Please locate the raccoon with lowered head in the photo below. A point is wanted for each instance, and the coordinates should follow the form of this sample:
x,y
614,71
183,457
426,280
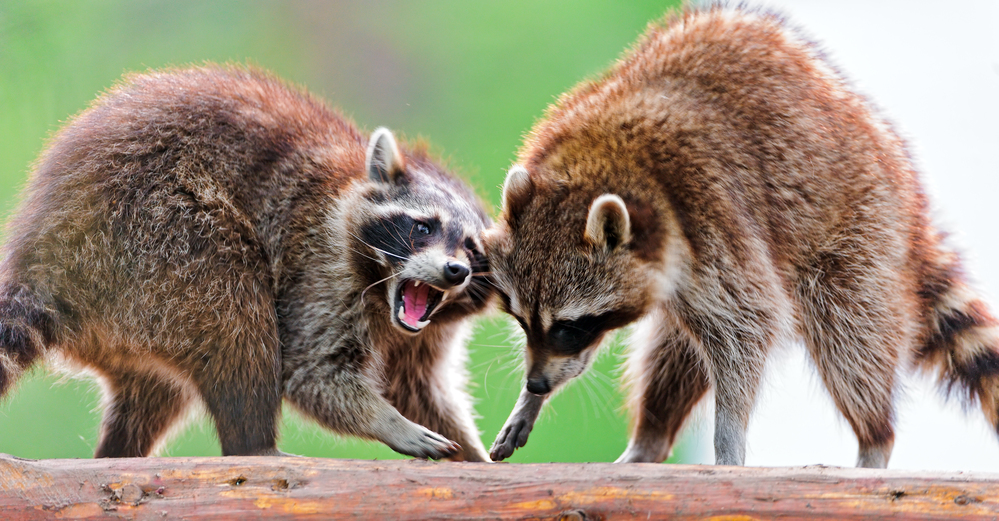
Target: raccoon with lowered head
x,y
212,235
723,186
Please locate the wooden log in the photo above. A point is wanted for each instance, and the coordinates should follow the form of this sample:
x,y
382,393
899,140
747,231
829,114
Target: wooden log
x,y
309,488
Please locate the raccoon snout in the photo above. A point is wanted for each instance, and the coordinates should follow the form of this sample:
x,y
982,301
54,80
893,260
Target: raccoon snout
x,y
456,273
538,385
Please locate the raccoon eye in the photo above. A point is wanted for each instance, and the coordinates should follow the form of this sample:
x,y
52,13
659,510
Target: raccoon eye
x,y
570,338
422,228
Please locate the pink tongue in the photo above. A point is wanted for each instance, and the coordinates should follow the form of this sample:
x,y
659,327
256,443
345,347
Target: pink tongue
x,y
414,302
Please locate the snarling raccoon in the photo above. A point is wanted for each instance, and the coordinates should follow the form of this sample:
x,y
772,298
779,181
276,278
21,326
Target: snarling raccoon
x,y
723,186
211,234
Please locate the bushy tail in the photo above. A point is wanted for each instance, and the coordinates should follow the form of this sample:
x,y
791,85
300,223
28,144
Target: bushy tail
x,y
25,329
962,336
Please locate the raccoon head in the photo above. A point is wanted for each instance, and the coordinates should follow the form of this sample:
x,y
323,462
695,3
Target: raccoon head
x,y
424,228
569,267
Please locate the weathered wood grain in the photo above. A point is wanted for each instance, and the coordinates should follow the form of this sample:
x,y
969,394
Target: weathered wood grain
x,y
308,488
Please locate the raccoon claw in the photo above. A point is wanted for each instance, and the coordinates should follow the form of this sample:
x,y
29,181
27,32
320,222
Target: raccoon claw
x,y
436,447
424,443
512,437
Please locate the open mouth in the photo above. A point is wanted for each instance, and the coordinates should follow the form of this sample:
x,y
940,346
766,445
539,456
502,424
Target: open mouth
x,y
414,303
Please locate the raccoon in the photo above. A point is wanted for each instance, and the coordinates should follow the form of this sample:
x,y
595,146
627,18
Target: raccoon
x,y
723,187
213,235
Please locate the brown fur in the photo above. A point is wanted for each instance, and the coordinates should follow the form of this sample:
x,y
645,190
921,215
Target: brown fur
x,y
766,201
193,235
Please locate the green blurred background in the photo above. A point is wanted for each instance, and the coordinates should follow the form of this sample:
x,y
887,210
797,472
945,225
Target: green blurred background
x,y
470,76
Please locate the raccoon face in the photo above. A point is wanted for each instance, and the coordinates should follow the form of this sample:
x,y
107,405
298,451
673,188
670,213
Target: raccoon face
x,y
425,228
567,272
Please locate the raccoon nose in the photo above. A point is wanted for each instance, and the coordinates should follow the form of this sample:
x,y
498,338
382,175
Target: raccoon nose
x,y
538,385
455,273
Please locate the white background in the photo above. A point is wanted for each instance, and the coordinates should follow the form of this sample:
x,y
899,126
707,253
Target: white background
x,y
932,68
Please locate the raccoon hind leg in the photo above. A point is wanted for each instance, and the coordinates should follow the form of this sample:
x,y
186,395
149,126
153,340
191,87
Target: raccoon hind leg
x,y
854,332
141,407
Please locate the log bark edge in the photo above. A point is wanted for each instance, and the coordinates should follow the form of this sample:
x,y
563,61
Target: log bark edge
x,y
312,488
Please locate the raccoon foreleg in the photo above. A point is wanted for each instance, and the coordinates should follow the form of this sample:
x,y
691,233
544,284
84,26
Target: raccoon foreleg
x,y
245,413
390,427
667,378
518,426
455,422
443,407
140,409
333,387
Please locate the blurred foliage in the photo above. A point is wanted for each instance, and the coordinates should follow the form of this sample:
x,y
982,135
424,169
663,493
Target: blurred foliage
x,y
470,76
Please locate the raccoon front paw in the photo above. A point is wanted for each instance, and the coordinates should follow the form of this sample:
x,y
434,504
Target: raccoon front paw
x,y
425,443
511,437
411,439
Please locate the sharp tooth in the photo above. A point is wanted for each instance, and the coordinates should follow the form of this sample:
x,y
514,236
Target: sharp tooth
x,y
422,324
402,313
416,284
445,295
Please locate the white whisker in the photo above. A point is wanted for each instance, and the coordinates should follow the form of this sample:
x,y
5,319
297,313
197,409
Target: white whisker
x,y
376,248
373,284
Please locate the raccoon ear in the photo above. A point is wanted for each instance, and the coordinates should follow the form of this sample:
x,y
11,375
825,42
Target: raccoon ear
x,y
383,160
608,224
518,189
